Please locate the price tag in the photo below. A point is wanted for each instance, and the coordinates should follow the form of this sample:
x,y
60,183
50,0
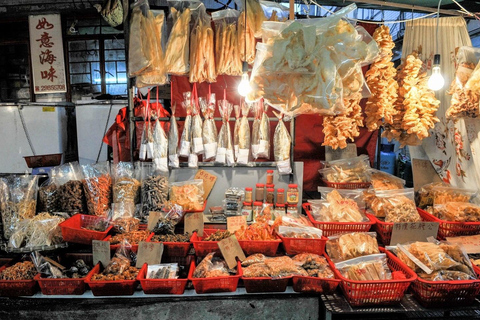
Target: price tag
x,y
101,252
349,152
209,180
231,250
242,157
220,157
210,150
194,221
174,162
149,253
193,160
470,243
153,218
423,173
184,149
413,231
236,222
197,145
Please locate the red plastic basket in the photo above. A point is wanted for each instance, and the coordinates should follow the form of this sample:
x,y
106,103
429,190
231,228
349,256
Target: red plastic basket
x,y
382,228
160,286
110,288
315,284
72,229
299,245
114,247
333,228
265,284
173,249
379,292
451,228
347,185
202,248
16,288
268,248
215,284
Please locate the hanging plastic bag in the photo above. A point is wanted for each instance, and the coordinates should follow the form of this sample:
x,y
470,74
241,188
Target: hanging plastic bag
x,y
261,133
20,200
275,11
197,124
139,52
227,55
48,197
243,154
122,217
246,40
236,110
71,195
186,139
282,143
209,132
98,188
202,59
154,192
160,148
173,161
126,187
225,146
255,15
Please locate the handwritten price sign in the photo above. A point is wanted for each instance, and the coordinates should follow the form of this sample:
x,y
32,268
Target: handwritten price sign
x,y
236,222
231,249
149,253
101,252
413,231
208,181
194,221
470,243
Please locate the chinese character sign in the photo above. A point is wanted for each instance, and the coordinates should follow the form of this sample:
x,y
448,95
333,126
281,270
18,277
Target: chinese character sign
x,y
46,48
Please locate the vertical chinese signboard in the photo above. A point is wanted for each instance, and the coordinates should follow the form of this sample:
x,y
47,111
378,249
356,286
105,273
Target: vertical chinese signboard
x,y
46,49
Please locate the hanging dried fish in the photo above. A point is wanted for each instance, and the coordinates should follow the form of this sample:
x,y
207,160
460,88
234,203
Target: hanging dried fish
x,y
209,133
173,141
185,140
160,148
225,146
176,55
197,134
244,136
261,134
282,143
236,109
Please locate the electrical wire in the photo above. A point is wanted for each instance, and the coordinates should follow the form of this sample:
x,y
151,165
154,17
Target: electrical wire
x,y
438,23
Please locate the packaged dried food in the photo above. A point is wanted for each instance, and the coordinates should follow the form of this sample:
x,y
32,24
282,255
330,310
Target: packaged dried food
x,y
384,181
346,170
275,267
225,146
274,11
154,191
315,265
20,271
395,205
255,15
122,217
126,187
352,245
132,237
246,39
227,55
236,111
71,195
261,133
120,266
162,271
300,232
186,138
367,268
188,194
160,148
253,259
209,130
298,221
218,235
445,194
457,211
197,125
139,58
282,143
211,266
171,238
424,195
202,59
77,269
19,200
260,229
173,161
243,136
48,197
39,230
339,208
97,183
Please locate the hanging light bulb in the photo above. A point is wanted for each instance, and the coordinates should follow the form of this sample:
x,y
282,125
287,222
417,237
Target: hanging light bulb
x,y
244,86
436,81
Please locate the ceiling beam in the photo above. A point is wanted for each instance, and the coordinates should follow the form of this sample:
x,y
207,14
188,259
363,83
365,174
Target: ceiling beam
x,y
409,7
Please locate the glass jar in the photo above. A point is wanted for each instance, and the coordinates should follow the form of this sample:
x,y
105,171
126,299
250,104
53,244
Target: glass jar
x,y
247,210
269,176
270,196
259,192
292,194
281,196
292,211
257,209
279,210
248,194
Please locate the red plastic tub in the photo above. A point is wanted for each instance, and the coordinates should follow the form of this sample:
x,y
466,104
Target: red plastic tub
x,y
265,284
110,288
173,249
333,228
160,286
347,185
451,228
299,245
268,247
215,284
314,284
378,292
202,248
16,288
72,230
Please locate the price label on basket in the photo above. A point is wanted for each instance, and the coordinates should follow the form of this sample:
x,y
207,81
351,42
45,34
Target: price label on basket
x,y
471,244
149,253
194,222
413,231
349,152
153,218
236,222
231,250
101,252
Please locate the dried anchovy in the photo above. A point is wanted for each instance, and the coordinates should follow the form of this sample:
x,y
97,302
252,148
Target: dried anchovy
x,y
20,271
154,193
71,197
48,198
171,238
218,235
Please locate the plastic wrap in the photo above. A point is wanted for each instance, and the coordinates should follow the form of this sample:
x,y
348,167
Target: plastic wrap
x,y
424,196
48,197
119,267
197,129
98,188
367,268
186,138
211,266
300,221
445,194
261,133
243,155
173,160
188,194
71,195
202,59
315,265
300,232
39,230
225,146
209,130
246,47
160,148
384,181
464,103
352,245
396,205
274,267
282,143
347,170
19,201
339,207
274,11
255,15
163,271
457,212
126,187
154,192
227,55
122,217
139,57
